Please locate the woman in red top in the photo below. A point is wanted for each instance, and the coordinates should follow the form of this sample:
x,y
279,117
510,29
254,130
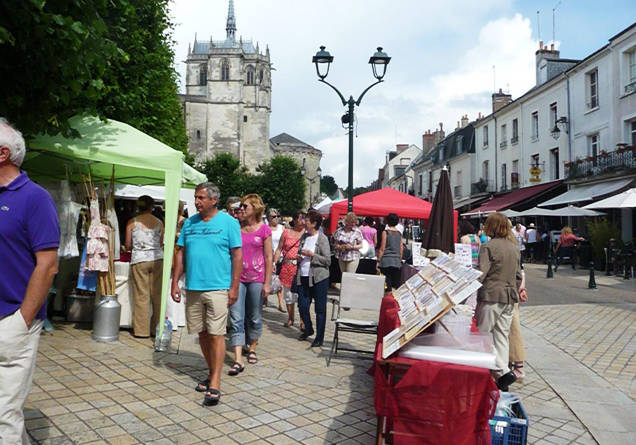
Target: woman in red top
x,y
565,246
288,250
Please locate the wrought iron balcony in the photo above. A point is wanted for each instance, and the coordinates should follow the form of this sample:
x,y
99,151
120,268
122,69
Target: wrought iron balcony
x,y
622,159
482,186
630,88
514,140
503,144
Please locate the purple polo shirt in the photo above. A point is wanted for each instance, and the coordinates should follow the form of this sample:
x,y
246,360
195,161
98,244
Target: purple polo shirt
x,y
28,223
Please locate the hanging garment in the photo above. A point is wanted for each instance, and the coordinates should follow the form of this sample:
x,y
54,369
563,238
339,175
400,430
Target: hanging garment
x,y
97,245
114,226
68,214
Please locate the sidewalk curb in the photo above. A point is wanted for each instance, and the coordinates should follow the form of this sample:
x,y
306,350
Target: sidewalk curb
x,y
605,411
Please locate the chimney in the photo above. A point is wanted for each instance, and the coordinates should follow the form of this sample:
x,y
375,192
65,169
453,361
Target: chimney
x,y
401,147
428,141
500,100
464,120
543,57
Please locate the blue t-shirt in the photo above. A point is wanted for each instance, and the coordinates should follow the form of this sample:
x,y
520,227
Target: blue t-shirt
x,y
208,259
28,224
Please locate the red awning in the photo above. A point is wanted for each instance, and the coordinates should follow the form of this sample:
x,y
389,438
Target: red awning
x,y
508,200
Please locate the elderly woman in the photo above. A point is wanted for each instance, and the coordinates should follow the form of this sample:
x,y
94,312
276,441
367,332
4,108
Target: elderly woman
x,y
144,238
245,313
287,252
312,277
273,219
502,288
348,241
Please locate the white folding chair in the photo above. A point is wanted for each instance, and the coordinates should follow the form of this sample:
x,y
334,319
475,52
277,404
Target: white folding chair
x,y
358,292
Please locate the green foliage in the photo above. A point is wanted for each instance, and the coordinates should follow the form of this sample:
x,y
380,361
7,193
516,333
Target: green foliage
x,y
278,181
280,184
360,190
328,185
226,172
107,57
141,85
54,56
600,231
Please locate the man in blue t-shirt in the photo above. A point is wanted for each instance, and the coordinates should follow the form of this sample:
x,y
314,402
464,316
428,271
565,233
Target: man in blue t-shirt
x,y
29,238
210,241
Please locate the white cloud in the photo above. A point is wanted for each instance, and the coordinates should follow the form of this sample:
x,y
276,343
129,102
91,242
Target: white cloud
x,y
442,52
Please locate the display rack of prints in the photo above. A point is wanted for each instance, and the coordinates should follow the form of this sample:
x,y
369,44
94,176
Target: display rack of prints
x,y
427,296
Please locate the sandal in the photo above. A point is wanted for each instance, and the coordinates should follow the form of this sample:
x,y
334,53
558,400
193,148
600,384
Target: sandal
x,y
289,323
202,386
517,368
212,397
236,369
251,358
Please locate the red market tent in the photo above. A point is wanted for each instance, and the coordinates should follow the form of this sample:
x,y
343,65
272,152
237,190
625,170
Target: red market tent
x,y
381,203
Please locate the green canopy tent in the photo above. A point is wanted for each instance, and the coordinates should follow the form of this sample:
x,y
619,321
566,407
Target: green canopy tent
x,y
135,158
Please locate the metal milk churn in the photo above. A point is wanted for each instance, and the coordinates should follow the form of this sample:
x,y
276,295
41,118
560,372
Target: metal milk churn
x,y
106,319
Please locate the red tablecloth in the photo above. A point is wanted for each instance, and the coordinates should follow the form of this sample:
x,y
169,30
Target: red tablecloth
x,y
433,402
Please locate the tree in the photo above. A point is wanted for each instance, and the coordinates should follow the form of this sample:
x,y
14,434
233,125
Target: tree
x,y
107,57
226,172
54,55
280,184
142,87
360,190
328,185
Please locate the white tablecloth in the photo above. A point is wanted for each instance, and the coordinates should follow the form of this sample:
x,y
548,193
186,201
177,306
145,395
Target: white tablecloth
x,y
123,288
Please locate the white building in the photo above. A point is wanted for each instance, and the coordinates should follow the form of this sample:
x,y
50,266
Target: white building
x,y
395,166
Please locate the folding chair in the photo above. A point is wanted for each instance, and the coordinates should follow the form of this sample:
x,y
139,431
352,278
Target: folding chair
x,y
362,292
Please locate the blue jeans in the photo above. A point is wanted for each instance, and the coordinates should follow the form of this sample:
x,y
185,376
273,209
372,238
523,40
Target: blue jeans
x,y
319,293
245,314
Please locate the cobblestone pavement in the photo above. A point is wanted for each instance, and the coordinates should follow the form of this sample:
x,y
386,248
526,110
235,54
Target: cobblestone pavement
x,y
124,393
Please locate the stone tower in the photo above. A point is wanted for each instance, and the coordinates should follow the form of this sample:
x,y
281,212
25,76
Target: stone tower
x,y
228,97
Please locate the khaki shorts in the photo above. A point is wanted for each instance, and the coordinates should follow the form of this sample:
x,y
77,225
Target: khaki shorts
x,y
206,311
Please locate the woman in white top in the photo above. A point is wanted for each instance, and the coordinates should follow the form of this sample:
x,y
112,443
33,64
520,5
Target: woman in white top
x,y
273,218
144,237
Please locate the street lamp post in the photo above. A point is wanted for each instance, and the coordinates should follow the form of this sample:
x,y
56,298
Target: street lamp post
x,y
311,181
379,61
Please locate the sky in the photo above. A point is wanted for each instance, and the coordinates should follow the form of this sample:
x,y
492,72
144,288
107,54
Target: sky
x,y
443,54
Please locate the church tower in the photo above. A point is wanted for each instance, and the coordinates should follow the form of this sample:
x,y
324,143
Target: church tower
x,y
228,97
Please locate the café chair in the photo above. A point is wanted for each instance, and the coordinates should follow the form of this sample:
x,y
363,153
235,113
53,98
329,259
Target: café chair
x,y
358,292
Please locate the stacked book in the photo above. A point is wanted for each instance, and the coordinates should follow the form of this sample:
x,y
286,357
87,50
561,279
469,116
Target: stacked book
x,y
427,296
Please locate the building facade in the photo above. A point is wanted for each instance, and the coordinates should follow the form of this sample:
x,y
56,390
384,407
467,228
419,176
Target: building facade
x,y
227,103
395,165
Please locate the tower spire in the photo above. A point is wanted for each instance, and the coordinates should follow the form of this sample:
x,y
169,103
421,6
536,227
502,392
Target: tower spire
x,y
231,22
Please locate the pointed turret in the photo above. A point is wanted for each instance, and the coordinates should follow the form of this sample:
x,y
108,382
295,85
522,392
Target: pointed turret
x,y
231,22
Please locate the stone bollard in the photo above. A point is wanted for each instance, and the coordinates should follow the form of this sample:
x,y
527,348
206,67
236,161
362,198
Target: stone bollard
x,y
549,274
591,284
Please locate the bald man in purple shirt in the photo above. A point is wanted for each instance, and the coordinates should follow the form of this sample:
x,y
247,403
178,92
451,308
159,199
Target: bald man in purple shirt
x,y
29,238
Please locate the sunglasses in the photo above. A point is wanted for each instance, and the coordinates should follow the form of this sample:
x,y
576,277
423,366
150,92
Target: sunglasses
x,y
243,206
274,216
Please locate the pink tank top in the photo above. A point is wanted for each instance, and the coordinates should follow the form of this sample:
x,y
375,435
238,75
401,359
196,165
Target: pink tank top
x,y
254,254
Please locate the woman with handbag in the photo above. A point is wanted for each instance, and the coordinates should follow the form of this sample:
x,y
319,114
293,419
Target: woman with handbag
x,y
312,277
287,251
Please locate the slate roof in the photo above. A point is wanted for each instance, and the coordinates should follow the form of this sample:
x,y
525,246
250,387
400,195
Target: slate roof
x,y
285,138
204,47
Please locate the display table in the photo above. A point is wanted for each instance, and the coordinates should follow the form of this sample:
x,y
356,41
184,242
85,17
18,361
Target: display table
x,y
123,288
426,402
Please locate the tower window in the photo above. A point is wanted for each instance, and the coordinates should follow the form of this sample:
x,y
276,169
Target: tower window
x,y
244,118
203,74
260,76
198,134
225,70
250,75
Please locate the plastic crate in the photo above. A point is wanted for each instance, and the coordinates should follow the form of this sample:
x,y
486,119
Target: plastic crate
x,y
510,430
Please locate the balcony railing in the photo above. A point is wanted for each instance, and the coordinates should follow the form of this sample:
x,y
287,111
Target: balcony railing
x,y
482,186
503,144
622,159
630,88
457,191
514,140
